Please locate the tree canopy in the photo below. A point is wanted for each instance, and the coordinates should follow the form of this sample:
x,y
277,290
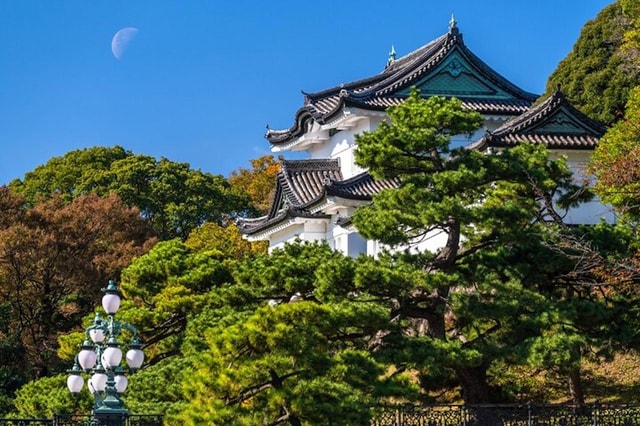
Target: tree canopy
x,y
616,161
258,182
54,258
171,196
599,72
276,352
477,296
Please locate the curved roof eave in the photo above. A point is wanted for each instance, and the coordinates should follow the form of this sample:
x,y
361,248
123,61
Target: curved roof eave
x,y
277,223
302,115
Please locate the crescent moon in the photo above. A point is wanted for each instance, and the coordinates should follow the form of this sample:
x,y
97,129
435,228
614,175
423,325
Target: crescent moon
x,y
121,40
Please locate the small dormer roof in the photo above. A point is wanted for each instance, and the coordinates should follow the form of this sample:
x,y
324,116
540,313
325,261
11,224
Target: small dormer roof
x,y
554,122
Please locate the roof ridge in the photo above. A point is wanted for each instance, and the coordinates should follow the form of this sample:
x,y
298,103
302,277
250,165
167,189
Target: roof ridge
x,y
310,164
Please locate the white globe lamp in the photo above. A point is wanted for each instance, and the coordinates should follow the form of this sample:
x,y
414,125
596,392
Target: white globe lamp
x,y
111,298
87,356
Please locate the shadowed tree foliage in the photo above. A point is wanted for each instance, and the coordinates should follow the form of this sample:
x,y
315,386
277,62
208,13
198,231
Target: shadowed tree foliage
x,y
172,282
172,197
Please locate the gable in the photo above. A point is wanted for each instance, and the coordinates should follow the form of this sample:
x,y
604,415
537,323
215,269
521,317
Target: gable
x,y
456,76
562,122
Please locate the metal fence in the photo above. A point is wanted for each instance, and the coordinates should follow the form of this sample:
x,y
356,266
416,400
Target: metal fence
x,y
426,415
512,415
88,420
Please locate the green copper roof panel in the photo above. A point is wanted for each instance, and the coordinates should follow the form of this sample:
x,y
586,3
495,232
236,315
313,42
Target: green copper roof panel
x,y
456,76
563,123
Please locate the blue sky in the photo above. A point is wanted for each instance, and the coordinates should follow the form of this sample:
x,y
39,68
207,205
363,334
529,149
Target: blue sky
x,y
202,78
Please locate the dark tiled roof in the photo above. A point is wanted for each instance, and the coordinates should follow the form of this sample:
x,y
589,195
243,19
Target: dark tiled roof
x,y
302,184
303,181
299,184
360,187
553,122
434,68
483,106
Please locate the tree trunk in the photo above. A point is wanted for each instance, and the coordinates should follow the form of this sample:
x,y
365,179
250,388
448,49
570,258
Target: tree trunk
x,y
575,386
294,421
475,389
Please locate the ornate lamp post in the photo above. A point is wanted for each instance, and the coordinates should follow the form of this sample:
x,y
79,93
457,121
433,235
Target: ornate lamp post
x,y
100,355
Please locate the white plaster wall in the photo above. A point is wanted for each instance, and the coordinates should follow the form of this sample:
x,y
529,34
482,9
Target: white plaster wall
x,y
458,141
594,211
432,242
289,234
337,236
346,241
342,145
490,124
314,231
590,213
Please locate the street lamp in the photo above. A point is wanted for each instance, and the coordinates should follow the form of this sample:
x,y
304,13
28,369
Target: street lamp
x,y
101,356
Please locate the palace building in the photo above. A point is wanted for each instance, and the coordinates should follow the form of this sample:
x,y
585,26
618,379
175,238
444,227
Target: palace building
x,y
315,197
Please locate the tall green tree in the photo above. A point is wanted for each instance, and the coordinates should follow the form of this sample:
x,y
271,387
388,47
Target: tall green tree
x,y
171,196
466,302
171,283
274,348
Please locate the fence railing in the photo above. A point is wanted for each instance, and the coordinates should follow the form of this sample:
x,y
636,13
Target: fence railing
x,y
511,415
424,415
88,420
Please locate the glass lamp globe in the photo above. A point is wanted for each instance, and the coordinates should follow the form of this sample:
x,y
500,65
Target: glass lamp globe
x,y
98,381
75,383
112,356
135,356
75,380
97,335
111,303
87,356
121,382
111,298
96,331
